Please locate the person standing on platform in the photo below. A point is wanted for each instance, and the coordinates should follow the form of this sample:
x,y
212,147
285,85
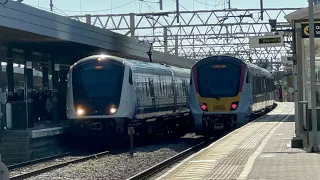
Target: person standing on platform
x,y
280,94
49,106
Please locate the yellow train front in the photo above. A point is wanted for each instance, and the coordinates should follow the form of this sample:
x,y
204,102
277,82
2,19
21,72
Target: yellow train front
x,y
225,92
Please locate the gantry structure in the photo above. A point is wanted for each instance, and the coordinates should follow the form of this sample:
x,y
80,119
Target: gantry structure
x,y
201,33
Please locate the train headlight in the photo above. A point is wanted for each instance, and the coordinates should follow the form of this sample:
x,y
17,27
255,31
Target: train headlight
x,y
80,111
113,110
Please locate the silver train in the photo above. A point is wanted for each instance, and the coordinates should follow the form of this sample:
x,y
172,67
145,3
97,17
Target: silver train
x,y
107,94
226,92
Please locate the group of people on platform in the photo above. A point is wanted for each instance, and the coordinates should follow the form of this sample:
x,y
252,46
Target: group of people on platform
x,y
42,103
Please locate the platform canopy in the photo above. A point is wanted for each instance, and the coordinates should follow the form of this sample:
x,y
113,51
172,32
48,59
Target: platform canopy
x,y
302,14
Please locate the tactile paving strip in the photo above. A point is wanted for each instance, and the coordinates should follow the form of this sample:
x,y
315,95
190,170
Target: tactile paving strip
x,y
226,158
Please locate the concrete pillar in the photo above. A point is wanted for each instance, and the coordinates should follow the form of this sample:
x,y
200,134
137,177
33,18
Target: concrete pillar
x,y
28,86
55,68
9,69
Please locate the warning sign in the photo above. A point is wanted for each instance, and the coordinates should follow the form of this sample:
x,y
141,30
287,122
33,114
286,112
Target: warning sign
x,y
305,29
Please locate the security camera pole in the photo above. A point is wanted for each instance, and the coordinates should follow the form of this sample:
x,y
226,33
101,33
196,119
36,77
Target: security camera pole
x,y
314,147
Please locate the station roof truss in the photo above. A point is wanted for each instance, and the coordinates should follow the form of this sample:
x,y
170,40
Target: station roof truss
x,y
201,33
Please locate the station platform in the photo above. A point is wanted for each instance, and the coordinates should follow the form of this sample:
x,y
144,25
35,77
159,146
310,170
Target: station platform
x,y
258,150
45,139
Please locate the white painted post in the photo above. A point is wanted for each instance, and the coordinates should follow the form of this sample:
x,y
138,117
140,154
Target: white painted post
x,y
314,147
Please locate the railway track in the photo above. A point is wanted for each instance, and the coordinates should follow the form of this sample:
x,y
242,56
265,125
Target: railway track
x,y
52,167
164,164
33,162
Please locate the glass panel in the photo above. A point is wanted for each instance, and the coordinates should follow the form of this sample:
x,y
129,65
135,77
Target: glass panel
x,y
308,71
215,80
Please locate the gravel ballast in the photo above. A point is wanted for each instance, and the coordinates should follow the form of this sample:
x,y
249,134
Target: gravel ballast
x,y
120,165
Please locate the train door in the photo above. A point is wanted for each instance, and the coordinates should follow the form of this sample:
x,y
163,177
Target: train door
x,y
250,89
140,94
185,92
259,92
264,92
174,93
160,92
253,86
152,95
179,93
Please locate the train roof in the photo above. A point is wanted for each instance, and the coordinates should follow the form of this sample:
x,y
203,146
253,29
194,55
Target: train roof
x,y
258,71
137,64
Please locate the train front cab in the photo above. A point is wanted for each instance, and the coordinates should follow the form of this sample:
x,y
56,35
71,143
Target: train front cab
x,y
219,94
99,106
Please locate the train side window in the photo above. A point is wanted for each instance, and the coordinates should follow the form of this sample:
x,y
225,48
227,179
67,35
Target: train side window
x,y
130,77
258,85
190,80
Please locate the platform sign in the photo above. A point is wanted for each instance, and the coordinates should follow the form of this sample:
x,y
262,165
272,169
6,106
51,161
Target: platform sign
x,y
265,41
305,29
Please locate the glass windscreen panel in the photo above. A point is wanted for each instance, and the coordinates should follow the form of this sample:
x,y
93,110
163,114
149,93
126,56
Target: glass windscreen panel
x,y
217,80
97,86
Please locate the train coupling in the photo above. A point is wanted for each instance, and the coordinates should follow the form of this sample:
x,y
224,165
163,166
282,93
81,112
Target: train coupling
x,y
95,126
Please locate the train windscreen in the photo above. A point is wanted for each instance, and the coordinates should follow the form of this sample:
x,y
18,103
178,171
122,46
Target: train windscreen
x,y
218,80
97,86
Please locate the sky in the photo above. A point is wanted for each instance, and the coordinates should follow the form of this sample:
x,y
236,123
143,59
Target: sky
x,y
99,7
81,7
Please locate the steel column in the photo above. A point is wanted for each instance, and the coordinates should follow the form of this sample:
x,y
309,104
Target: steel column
x,y
55,68
132,25
300,83
28,86
45,72
176,45
314,147
10,76
165,37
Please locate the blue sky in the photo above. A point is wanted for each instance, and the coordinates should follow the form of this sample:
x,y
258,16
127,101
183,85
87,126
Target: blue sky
x,y
80,7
